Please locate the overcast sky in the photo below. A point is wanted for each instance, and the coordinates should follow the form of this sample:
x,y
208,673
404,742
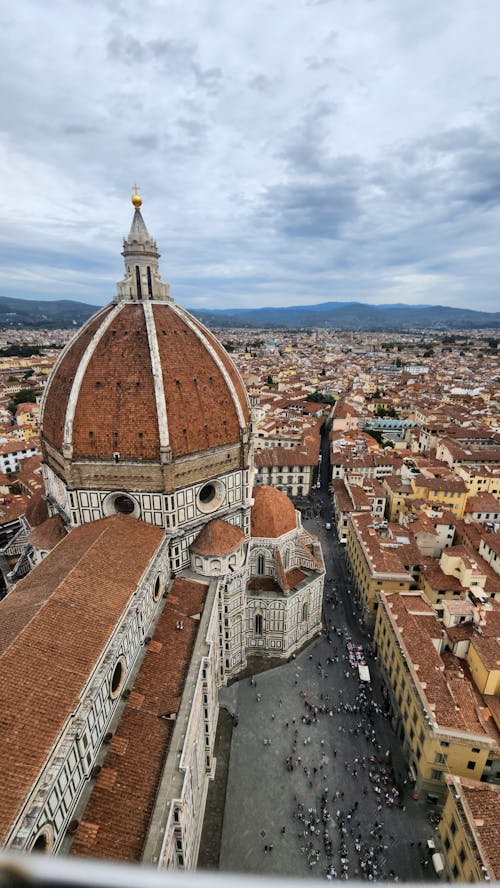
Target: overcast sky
x,y
287,151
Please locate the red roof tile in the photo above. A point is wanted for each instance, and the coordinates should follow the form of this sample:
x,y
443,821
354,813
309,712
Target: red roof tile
x,y
116,820
218,537
53,628
273,513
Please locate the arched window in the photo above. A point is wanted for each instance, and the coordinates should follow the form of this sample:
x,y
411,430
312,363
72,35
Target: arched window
x,y
150,283
258,624
260,564
286,559
304,612
138,282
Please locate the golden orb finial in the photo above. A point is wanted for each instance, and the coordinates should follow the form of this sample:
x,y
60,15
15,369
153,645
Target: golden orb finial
x,y
136,197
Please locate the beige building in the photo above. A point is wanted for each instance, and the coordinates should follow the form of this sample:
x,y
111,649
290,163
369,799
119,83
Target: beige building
x,y
381,557
468,831
444,722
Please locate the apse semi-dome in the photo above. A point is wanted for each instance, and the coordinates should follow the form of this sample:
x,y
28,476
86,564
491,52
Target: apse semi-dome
x,y
144,381
273,513
218,537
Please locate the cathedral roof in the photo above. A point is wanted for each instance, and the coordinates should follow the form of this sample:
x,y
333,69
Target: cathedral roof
x,y
273,513
139,377
52,617
218,537
143,378
37,511
143,736
47,534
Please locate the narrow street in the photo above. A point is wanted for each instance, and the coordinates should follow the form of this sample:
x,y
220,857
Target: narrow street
x,y
317,784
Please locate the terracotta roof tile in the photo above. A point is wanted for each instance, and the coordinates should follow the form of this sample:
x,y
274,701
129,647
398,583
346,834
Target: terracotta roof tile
x,y
48,534
37,511
273,513
201,412
53,630
218,537
483,803
116,820
60,383
119,379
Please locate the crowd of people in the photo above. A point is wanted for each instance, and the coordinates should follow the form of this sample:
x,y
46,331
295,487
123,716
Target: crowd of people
x,y
342,833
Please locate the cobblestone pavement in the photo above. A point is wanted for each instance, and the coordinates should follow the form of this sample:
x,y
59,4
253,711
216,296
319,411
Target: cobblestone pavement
x,y
323,791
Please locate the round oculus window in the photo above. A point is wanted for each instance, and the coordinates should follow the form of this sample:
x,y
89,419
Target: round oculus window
x,y
207,494
158,588
124,504
117,679
43,840
210,496
121,503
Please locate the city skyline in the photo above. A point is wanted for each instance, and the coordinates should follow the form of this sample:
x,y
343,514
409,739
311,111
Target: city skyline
x,y
325,154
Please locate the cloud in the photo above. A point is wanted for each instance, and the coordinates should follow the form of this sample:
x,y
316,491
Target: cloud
x,y
285,152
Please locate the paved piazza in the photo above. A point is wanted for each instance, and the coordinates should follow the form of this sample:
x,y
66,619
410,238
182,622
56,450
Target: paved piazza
x,y
317,784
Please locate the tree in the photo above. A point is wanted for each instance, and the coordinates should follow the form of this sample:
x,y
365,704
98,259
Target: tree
x,y
22,396
320,398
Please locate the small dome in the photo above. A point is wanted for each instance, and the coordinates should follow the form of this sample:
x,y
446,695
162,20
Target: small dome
x,y
273,513
218,537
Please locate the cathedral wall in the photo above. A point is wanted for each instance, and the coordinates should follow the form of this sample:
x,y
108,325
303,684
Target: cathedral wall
x,y
176,823
60,786
232,634
279,626
162,476
172,511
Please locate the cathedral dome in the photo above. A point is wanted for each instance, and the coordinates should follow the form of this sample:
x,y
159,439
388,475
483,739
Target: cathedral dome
x,y
273,513
218,537
143,380
140,376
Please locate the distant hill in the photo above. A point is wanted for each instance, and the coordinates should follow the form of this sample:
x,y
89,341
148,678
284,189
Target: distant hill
x,y
354,316
40,313
340,315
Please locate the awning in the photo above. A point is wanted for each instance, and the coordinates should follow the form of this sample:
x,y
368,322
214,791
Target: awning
x,y
364,673
437,860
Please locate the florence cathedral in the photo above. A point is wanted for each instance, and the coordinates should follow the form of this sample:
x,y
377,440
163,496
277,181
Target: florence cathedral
x,y
157,570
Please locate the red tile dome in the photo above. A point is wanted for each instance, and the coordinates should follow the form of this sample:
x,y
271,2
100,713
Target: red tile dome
x,y
273,513
139,378
218,537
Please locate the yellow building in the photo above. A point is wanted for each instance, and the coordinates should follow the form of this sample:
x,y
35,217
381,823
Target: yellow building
x,y
468,831
381,556
465,566
27,416
483,658
397,490
438,586
449,492
481,479
440,716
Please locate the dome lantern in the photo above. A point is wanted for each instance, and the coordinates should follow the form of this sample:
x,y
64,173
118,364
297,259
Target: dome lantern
x,y
142,281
